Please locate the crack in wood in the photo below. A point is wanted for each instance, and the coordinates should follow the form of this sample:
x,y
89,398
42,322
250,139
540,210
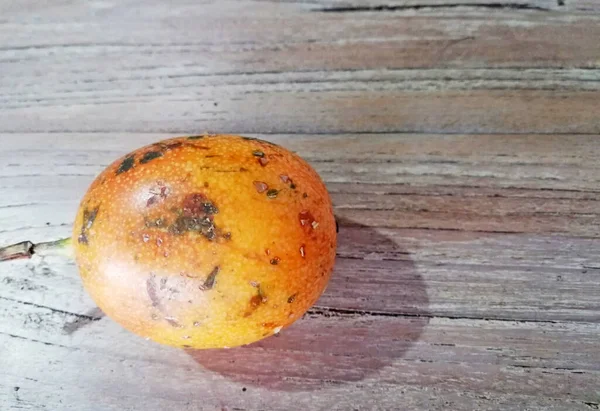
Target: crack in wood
x,y
333,312
386,7
55,310
20,337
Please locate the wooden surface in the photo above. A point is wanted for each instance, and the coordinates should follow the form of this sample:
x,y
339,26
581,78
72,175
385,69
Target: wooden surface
x,y
459,141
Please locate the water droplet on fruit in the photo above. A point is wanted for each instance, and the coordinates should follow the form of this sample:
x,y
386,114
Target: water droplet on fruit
x,y
302,251
276,330
146,238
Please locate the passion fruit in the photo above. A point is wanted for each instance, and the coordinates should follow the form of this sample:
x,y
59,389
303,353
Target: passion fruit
x,y
207,241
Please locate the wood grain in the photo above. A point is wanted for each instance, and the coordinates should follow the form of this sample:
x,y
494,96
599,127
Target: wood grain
x,y
440,304
458,140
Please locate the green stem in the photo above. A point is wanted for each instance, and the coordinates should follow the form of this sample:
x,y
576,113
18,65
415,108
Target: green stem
x,y
27,249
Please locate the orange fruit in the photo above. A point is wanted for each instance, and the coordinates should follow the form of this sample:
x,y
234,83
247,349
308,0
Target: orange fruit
x,y
206,241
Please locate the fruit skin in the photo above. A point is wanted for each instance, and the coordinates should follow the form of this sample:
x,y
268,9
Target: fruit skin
x,y
206,241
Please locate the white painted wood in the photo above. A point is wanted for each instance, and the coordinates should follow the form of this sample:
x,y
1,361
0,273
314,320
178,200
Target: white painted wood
x,y
459,142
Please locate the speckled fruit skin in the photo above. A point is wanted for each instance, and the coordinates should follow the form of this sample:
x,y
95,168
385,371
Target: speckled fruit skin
x,y
206,241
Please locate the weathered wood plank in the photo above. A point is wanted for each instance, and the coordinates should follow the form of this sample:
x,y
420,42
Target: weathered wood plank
x,y
520,360
467,274
310,111
166,40
529,183
410,272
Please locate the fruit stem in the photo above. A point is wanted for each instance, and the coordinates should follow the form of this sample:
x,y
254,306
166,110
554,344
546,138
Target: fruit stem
x,y
26,249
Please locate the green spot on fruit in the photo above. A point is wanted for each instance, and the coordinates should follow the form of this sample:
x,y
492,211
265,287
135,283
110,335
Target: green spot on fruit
x,y
126,164
272,193
149,156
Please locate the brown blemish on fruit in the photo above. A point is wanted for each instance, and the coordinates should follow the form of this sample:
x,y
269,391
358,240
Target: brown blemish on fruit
x,y
158,223
263,161
88,220
173,322
151,290
196,215
260,186
270,325
304,195
306,219
149,156
287,180
171,146
272,193
275,260
209,283
159,192
256,300
196,203
291,298
126,165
